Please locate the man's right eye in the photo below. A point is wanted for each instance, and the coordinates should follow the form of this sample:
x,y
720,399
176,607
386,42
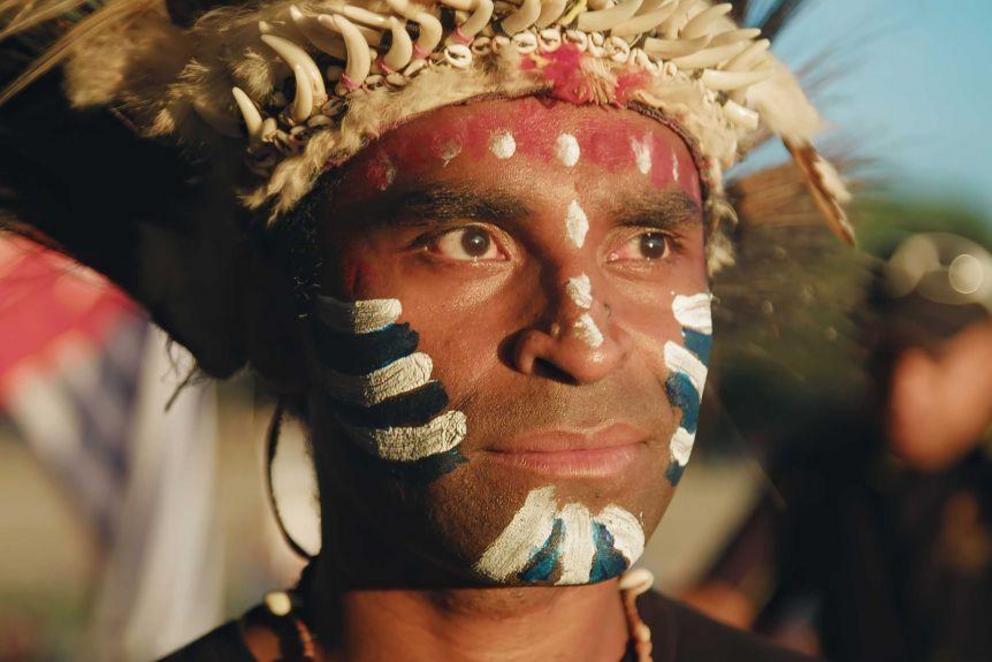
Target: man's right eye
x,y
471,243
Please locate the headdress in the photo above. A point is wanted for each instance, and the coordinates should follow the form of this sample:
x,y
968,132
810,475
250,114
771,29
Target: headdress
x,y
272,94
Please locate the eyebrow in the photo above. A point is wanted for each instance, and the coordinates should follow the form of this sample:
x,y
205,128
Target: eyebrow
x,y
441,203
665,210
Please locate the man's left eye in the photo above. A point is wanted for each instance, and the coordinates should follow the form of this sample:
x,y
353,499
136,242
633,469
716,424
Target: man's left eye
x,y
468,244
645,246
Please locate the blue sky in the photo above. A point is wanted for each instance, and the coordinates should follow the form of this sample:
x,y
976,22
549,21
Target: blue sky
x,y
915,89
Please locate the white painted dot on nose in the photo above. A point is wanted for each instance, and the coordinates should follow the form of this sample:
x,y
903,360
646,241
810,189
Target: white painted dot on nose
x,y
567,150
587,331
642,154
579,289
576,224
503,145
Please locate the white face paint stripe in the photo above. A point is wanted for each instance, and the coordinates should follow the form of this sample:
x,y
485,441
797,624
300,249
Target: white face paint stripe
x,y
675,165
359,317
567,150
694,312
510,553
576,224
587,331
628,536
642,154
681,446
679,359
531,526
403,375
579,290
503,145
408,444
578,547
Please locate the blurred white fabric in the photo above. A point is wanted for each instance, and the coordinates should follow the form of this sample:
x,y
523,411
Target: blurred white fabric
x,y
163,583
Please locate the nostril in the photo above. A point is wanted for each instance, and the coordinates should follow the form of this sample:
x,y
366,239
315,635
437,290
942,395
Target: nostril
x,y
548,370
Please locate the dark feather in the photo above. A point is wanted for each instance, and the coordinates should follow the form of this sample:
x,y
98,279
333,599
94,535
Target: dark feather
x,y
769,15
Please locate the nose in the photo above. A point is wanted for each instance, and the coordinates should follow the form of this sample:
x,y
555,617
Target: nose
x,y
577,339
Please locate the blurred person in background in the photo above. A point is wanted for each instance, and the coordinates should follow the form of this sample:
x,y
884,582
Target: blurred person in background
x,y
876,543
499,363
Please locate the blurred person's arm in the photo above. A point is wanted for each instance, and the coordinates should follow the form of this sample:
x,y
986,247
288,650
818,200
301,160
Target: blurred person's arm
x,y
941,405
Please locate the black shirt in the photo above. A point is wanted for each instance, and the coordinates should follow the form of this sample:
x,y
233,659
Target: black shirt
x,y
678,633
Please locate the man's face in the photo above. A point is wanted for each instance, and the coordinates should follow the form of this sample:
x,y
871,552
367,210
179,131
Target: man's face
x,y
543,253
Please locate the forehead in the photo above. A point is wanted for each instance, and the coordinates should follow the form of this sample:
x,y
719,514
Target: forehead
x,y
487,139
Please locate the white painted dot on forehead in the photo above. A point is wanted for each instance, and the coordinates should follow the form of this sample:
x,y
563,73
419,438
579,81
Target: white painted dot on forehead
x,y
449,151
387,174
576,224
642,153
579,289
587,331
567,150
503,145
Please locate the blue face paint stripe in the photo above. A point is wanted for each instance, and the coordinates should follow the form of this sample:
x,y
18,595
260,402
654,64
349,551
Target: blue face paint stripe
x,y
418,473
699,344
545,559
683,394
360,354
674,472
410,409
608,562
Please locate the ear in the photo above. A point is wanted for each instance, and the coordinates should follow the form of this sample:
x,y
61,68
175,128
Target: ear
x,y
132,209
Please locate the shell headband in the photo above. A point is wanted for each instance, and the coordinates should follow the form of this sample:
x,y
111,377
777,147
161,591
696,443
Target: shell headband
x,y
311,84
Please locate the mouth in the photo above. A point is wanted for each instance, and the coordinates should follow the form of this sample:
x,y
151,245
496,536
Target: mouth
x,y
603,451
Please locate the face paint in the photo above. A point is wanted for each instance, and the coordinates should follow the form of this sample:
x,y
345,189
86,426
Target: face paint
x,y
407,444
502,145
577,546
642,153
540,541
579,290
379,388
694,312
576,224
449,150
614,143
587,331
406,374
526,534
382,172
687,374
360,317
567,150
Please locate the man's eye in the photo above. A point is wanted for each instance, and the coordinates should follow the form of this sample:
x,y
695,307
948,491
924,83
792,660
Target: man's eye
x,y
645,246
471,243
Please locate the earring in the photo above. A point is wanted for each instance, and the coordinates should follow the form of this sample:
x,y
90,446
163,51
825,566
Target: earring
x,y
271,446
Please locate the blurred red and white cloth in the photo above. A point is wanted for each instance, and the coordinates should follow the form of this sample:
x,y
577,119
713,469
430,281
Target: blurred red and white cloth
x,y
85,378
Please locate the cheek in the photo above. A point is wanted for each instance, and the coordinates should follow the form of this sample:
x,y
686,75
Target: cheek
x,y
378,385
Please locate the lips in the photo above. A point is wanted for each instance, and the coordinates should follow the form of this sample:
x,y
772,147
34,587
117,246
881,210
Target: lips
x,y
602,451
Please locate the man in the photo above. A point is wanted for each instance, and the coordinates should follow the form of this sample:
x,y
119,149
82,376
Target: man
x,y
474,263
